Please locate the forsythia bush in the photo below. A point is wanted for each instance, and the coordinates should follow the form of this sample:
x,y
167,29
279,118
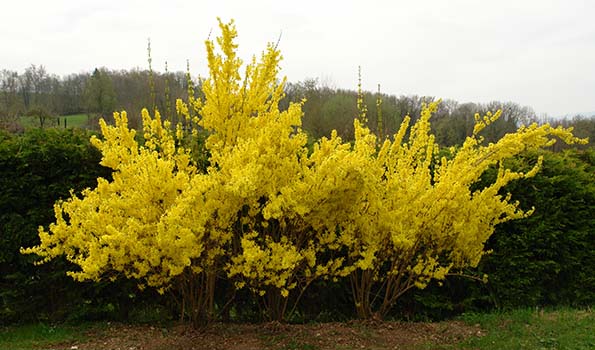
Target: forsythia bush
x,y
420,220
272,216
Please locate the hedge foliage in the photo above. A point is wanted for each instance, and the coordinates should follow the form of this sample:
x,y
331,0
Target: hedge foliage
x,y
545,259
36,169
549,257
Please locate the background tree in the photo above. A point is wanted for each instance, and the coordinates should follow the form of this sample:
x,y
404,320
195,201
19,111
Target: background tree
x,y
582,125
72,93
10,103
43,116
100,97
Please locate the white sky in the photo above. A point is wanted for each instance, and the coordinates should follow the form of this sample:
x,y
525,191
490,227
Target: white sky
x,y
539,53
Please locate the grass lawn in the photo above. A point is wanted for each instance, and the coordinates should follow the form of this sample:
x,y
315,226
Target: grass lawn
x,y
534,329
72,121
521,329
40,336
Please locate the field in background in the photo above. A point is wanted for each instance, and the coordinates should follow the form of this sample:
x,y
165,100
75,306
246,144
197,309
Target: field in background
x,y
72,121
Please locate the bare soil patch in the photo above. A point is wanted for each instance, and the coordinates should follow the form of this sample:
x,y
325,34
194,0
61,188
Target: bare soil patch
x,y
323,336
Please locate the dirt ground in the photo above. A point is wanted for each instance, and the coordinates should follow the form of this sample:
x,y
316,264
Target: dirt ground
x,y
339,336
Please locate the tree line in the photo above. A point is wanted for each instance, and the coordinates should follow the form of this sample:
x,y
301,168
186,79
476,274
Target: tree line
x,y
43,95
328,109
99,93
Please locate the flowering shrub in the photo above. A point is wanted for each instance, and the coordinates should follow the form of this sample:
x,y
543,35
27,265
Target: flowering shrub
x,y
272,216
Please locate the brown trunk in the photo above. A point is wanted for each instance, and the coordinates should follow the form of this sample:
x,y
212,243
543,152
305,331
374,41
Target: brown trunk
x,y
197,297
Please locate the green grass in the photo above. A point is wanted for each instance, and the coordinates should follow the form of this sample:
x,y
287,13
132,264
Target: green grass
x,y
285,342
39,336
72,121
533,329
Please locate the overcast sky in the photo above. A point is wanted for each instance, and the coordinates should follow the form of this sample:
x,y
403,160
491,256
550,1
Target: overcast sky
x,y
539,53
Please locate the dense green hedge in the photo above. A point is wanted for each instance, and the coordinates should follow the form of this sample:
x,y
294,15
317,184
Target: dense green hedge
x,y
36,169
546,259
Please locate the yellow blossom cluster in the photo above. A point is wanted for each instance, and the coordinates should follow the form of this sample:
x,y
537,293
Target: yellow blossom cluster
x,y
271,214
419,218
117,225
